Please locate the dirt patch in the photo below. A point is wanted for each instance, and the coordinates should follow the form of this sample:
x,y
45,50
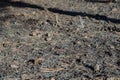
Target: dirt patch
x,y
59,40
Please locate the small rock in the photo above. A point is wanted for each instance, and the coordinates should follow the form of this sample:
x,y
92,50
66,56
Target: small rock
x,y
14,66
25,77
52,78
114,10
39,60
97,67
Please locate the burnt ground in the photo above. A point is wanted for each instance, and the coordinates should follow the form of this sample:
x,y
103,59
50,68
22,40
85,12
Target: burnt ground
x,y
59,40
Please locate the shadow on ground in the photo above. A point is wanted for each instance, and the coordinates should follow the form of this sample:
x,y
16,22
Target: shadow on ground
x,y
5,3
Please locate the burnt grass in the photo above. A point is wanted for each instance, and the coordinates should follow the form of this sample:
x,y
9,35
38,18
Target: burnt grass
x,y
59,40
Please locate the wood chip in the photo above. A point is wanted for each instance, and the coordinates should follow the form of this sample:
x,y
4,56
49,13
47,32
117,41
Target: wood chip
x,y
52,70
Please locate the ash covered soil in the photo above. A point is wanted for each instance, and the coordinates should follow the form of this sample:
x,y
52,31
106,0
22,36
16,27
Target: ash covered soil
x,y
59,40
